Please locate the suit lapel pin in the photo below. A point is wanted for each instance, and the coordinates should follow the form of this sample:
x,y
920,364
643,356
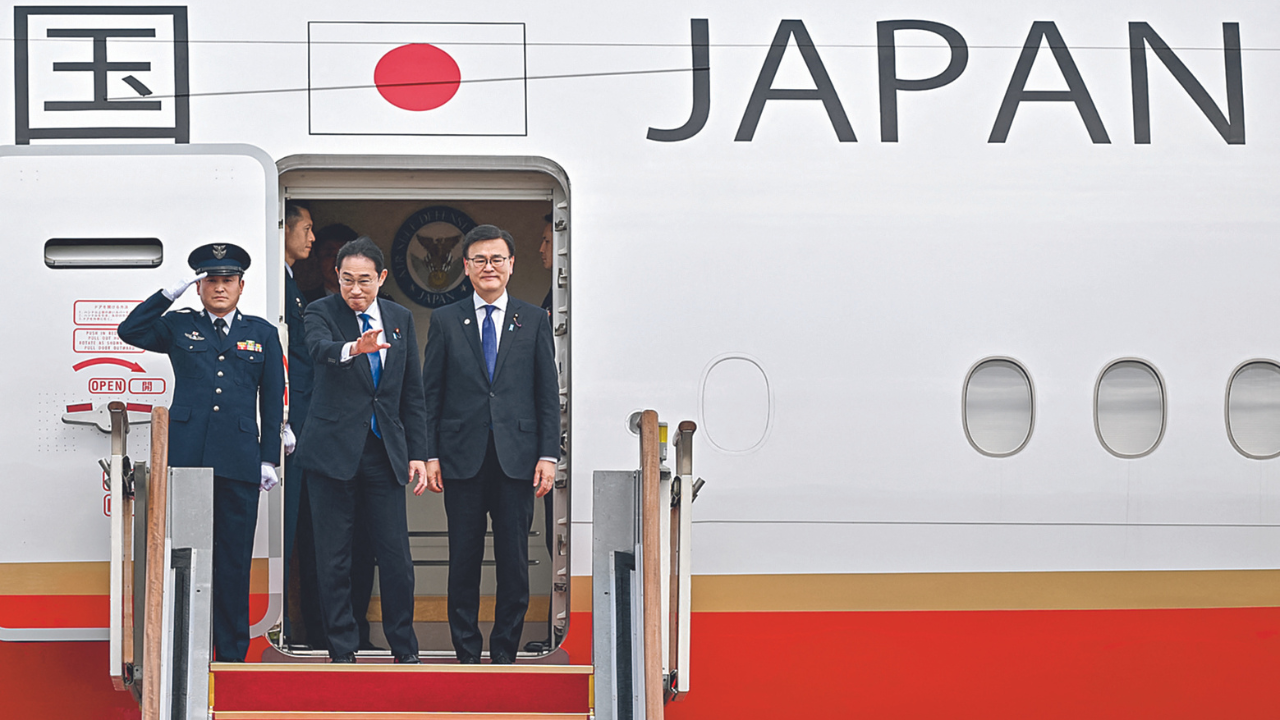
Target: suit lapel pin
x,y
515,322
467,321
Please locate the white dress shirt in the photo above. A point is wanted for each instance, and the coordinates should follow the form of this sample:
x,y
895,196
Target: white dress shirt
x,y
228,317
375,323
499,315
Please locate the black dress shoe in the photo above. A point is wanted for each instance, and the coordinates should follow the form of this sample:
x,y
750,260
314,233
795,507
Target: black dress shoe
x,y
408,660
469,660
499,659
348,658
538,646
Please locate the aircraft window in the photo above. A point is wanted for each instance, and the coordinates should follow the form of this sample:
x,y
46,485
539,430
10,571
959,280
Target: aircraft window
x,y
1253,409
999,407
1129,408
85,253
736,404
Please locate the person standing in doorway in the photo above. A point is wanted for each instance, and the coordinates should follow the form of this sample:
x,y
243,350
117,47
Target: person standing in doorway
x,y
298,242
329,240
365,440
493,427
228,371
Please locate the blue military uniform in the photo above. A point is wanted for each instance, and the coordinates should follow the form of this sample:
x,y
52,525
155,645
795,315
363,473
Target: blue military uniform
x,y
221,386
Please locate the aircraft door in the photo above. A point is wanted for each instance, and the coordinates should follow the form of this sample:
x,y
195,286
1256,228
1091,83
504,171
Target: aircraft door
x,y
90,232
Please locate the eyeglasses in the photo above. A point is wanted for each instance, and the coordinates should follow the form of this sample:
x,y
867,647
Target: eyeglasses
x,y
497,260
365,283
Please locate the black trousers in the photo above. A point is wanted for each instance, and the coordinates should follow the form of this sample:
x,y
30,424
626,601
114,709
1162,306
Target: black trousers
x,y
468,505
235,517
376,499
298,533
362,564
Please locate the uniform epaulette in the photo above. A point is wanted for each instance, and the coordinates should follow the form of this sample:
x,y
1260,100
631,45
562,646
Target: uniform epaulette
x,y
184,310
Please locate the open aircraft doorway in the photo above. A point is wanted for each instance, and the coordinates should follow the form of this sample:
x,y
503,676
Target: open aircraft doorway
x,y
417,210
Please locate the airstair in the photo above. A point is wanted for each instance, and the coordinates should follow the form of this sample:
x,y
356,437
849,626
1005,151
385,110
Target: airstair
x,y
161,577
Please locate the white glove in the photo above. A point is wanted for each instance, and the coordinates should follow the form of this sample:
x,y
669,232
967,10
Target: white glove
x,y
269,479
174,291
290,441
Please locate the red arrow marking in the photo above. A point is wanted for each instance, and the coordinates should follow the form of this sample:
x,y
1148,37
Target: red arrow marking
x,y
136,407
135,367
83,407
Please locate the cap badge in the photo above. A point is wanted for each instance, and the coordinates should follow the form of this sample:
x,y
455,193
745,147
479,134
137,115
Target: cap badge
x,y
219,251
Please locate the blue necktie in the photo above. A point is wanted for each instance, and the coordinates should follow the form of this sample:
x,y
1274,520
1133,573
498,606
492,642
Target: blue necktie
x,y
490,339
375,367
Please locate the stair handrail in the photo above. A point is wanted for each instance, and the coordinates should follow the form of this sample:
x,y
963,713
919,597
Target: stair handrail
x,y
121,649
683,490
157,509
651,547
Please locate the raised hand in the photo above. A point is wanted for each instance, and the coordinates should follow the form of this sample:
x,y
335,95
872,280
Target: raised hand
x,y
174,291
369,343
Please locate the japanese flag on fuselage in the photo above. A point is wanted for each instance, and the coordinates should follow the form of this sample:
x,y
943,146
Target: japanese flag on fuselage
x,y
416,78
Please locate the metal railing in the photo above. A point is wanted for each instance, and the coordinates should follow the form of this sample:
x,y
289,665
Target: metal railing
x,y
161,571
641,563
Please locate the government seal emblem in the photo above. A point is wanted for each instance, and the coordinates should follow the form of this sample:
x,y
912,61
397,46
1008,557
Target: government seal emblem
x,y
426,256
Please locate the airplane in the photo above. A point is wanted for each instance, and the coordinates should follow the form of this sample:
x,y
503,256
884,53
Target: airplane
x,y
972,305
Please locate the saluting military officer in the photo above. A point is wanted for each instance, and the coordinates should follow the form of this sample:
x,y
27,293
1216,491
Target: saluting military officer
x,y
227,371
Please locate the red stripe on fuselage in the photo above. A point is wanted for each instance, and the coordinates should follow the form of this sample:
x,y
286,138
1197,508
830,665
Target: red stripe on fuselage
x,y
993,665
1044,664
55,611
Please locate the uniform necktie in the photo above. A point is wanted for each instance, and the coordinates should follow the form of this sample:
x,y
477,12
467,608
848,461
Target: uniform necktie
x,y
489,336
375,367
221,326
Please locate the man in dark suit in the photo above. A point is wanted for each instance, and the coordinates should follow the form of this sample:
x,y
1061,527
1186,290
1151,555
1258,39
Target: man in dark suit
x,y
493,429
228,371
328,240
365,440
298,243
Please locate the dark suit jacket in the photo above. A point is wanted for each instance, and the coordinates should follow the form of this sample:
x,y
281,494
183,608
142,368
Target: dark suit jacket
x,y
220,387
343,396
301,367
522,403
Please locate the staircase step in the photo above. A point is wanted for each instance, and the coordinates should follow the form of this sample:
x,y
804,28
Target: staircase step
x,y
302,691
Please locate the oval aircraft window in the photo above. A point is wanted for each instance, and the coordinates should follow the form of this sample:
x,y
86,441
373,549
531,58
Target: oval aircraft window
x,y
998,407
1253,409
736,406
1129,408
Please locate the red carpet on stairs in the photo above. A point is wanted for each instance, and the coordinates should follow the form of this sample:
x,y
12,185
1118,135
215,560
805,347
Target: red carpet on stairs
x,y
242,691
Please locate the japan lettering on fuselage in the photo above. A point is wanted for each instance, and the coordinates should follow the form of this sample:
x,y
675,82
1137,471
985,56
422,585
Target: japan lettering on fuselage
x,y
1043,43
